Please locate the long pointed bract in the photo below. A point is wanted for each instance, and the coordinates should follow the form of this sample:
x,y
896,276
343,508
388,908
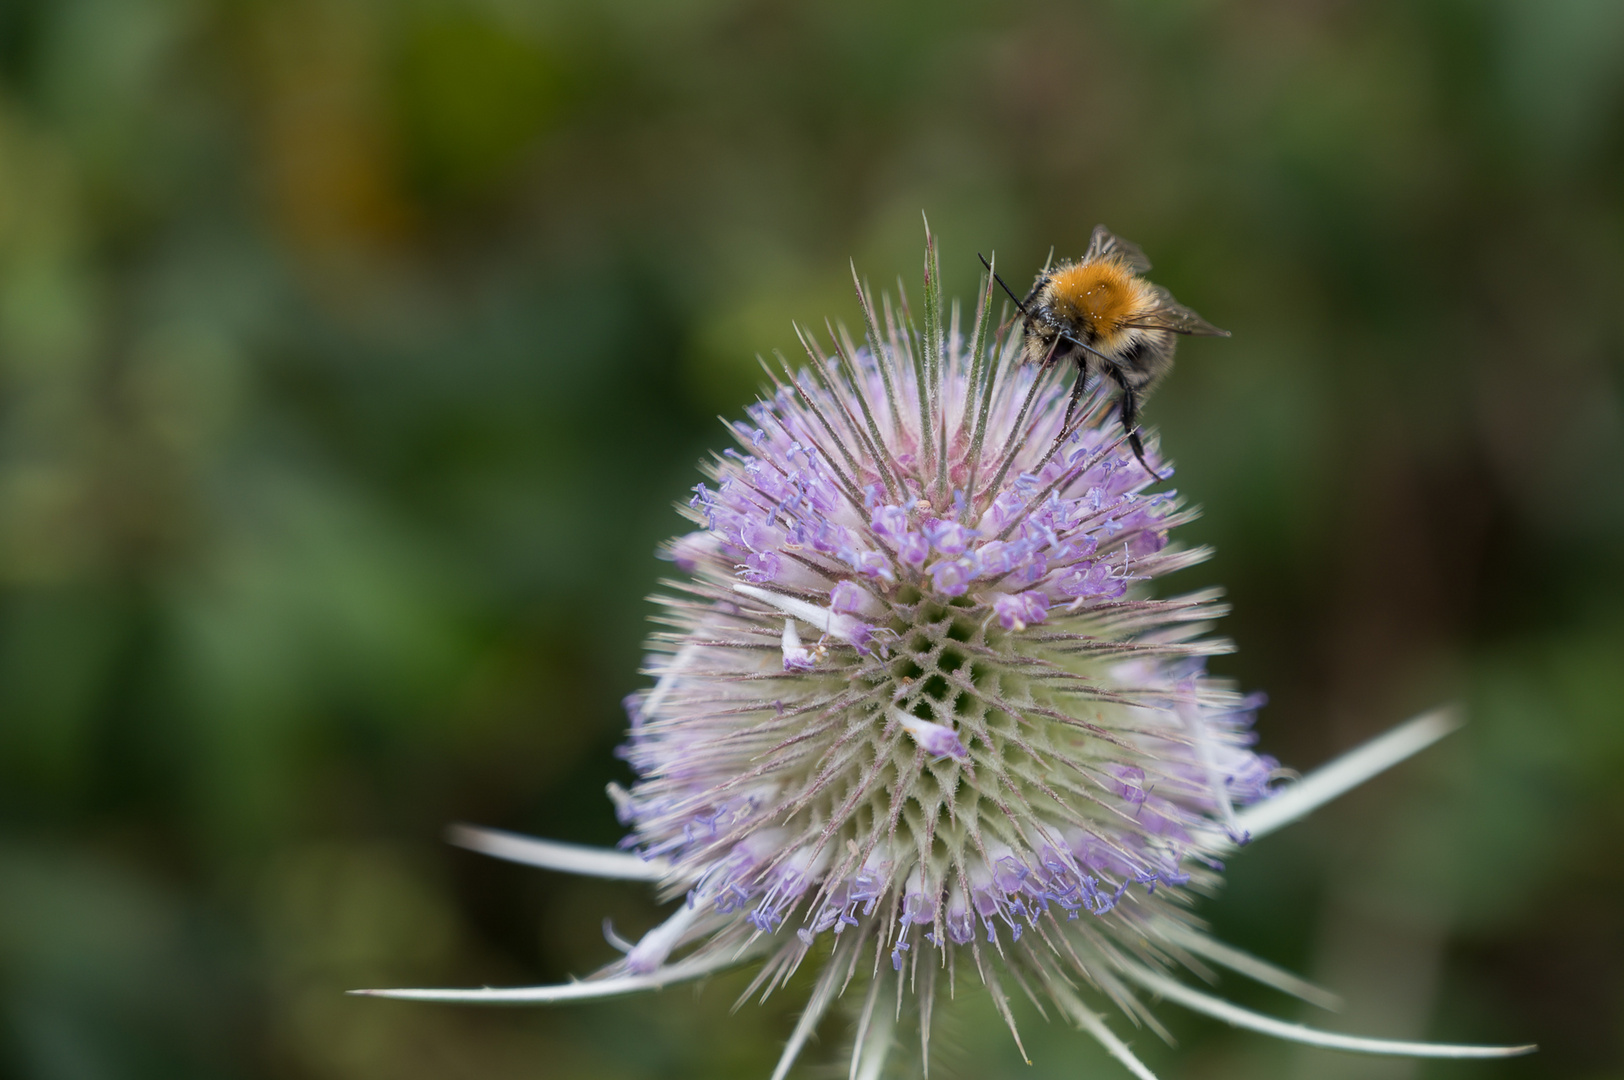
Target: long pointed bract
x,y
554,855
586,990
1219,1009
1348,772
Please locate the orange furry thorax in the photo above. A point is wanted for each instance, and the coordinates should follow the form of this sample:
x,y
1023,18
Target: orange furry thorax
x,y
1102,294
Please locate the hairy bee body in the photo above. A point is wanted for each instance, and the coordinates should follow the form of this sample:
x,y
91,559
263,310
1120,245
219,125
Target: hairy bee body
x,y
1095,303
1100,313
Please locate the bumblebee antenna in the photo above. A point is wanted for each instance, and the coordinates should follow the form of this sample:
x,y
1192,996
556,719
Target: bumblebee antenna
x,y
1018,302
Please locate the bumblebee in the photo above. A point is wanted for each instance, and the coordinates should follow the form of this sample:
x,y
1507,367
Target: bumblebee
x,y
1100,312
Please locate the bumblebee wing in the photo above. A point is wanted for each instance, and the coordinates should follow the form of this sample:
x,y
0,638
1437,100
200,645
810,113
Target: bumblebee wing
x,y
1106,244
1168,314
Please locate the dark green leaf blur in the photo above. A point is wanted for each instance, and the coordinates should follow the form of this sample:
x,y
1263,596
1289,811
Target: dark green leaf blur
x,y
353,353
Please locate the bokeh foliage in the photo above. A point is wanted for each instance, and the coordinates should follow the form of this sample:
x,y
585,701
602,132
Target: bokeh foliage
x,y
352,353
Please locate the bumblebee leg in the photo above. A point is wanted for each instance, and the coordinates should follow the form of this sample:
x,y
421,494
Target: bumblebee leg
x,y
1130,422
1071,406
1076,396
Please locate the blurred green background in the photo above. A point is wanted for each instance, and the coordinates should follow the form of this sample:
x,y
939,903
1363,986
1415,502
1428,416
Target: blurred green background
x,y
352,354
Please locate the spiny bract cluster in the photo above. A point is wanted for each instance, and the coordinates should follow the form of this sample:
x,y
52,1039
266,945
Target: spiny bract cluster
x,y
915,696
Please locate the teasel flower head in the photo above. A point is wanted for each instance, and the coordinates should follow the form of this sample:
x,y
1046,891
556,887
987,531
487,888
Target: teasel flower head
x,y
919,717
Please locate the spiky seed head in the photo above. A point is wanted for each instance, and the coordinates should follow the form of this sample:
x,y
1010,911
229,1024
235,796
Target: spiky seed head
x,y
916,696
